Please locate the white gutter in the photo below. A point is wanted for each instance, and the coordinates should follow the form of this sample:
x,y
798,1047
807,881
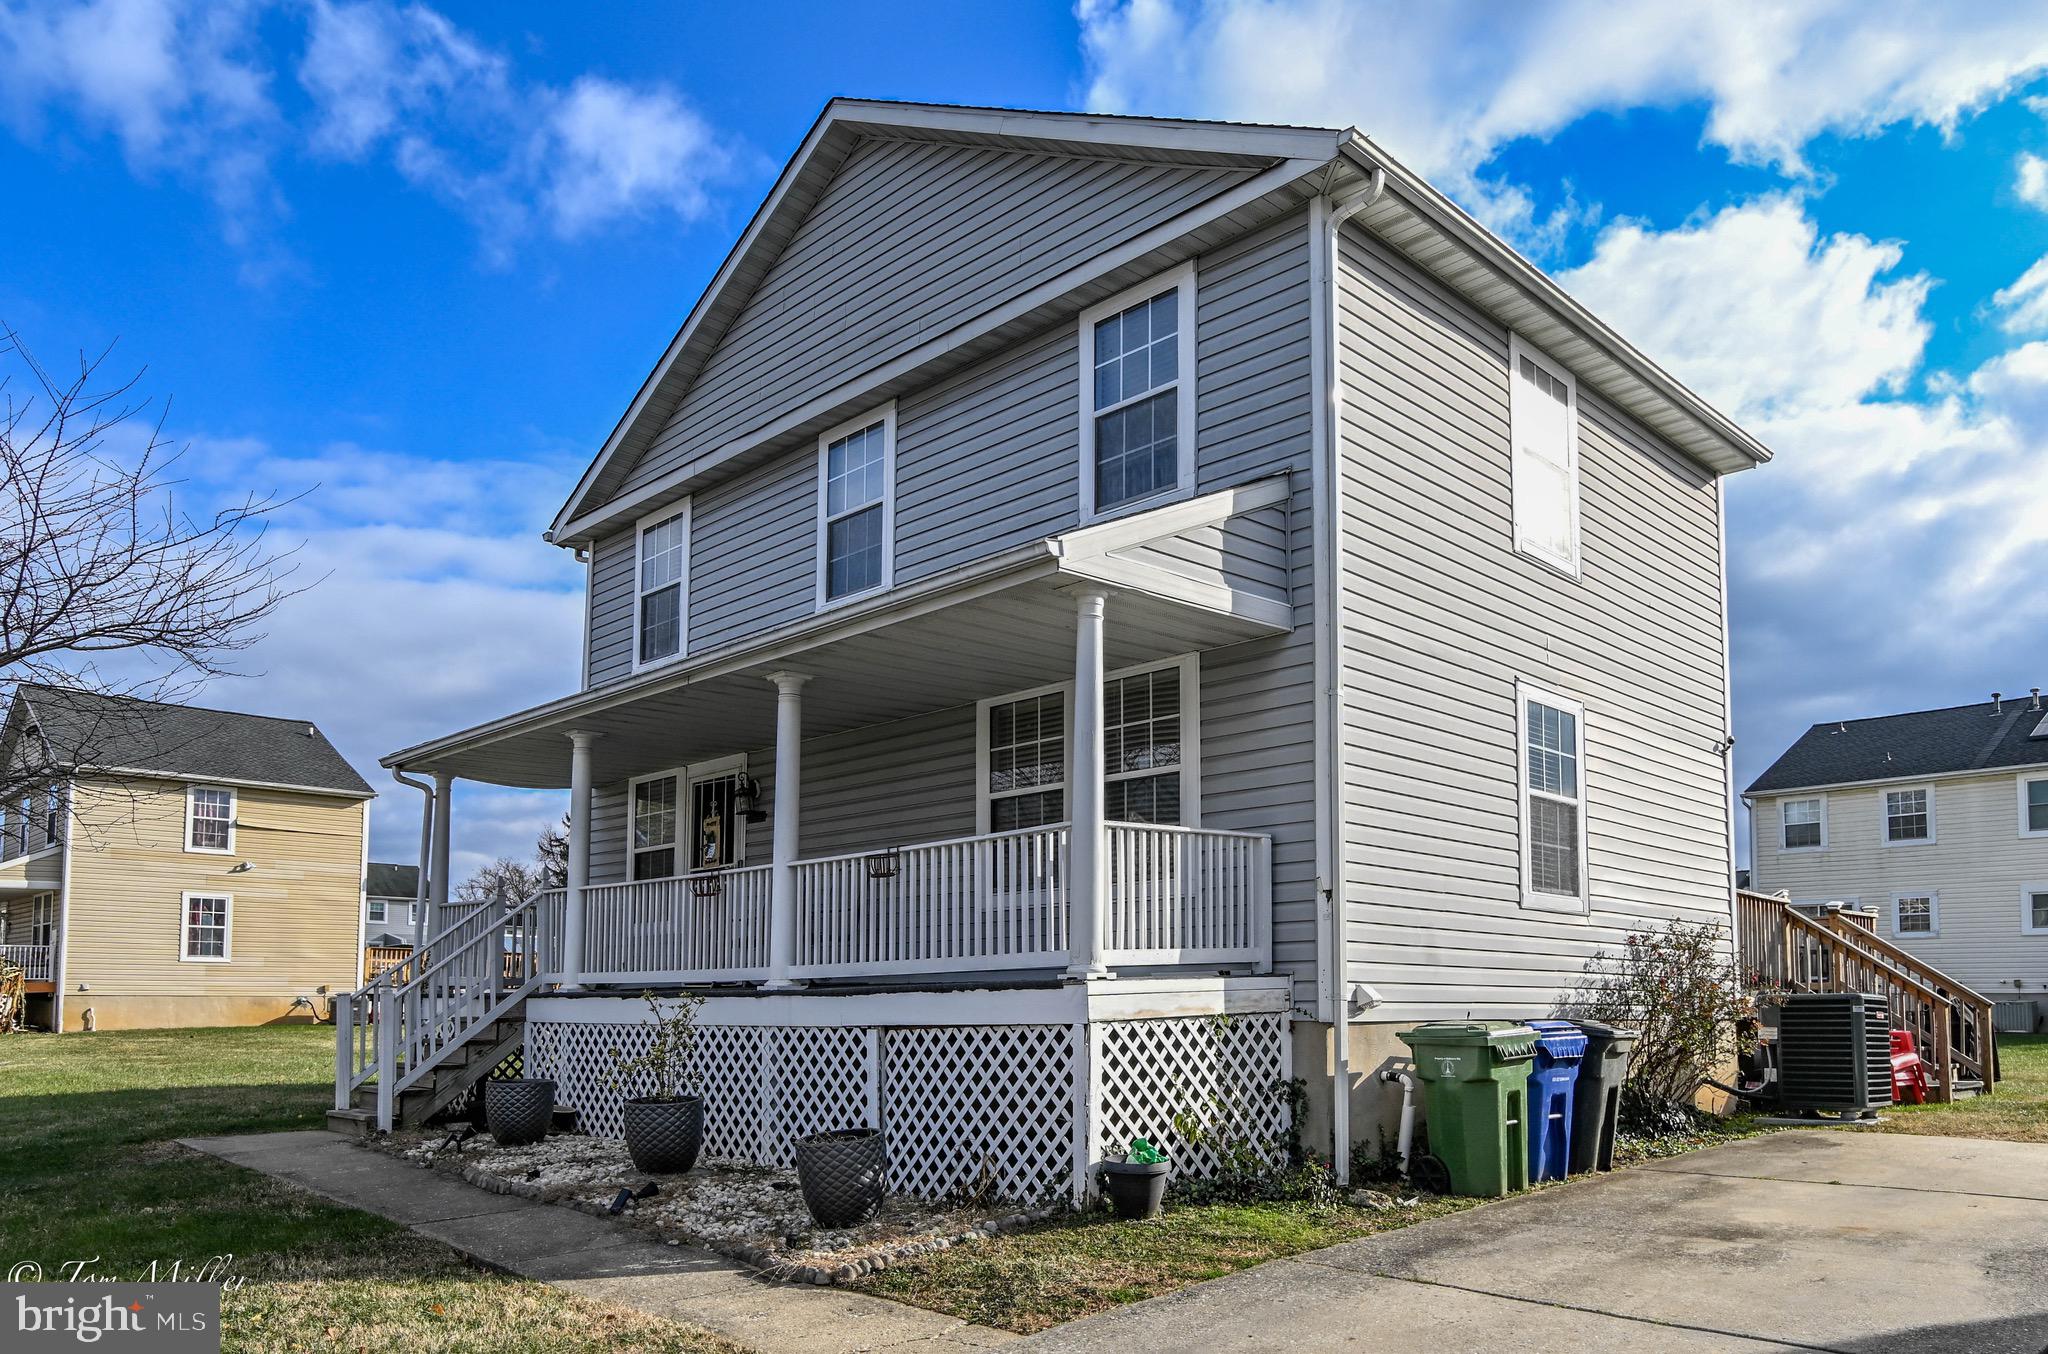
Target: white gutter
x,y
419,901
1728,720
1326,219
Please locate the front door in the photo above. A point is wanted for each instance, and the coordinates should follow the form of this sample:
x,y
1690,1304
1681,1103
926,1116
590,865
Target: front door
x,y
716,832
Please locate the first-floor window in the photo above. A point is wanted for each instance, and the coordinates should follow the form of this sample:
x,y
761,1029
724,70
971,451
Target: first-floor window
x,y
1553,801
206,925
1027,762
1915,914
43,920
654,827
1802,824
2034,907
1141,747
1148,719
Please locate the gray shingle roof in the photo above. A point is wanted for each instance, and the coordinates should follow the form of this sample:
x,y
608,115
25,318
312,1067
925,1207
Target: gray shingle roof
x,y
392,881
88,730
1980,737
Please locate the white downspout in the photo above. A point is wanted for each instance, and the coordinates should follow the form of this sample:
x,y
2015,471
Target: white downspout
x,y
60,963
419,900
1326,219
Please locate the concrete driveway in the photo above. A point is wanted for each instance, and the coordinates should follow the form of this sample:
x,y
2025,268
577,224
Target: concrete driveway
x,y
1832,1240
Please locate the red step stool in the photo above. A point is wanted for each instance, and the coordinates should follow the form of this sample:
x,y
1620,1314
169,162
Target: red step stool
x,y
1909,1073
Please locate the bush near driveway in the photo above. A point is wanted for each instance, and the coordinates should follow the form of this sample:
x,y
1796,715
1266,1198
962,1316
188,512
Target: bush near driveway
x,y
90,1171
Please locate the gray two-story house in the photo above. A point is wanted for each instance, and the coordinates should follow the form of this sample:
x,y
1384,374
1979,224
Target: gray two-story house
x,y
1085,608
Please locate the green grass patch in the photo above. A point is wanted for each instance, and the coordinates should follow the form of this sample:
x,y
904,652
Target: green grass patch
x,y
1029,1280
91,1172
2016,1110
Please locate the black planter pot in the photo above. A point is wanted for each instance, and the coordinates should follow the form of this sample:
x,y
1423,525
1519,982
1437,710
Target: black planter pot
x,y
664,1136
519,1110
1136,1189
840,1174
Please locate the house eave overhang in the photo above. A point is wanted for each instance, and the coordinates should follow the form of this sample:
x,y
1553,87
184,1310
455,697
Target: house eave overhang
x,y
86,772
1761,791
1417,219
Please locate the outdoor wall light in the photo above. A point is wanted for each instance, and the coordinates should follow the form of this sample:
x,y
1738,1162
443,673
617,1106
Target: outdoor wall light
x,y
746,799
240,867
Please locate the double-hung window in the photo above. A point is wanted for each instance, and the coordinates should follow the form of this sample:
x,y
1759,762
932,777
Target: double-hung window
x,y
209,819
1026,776
1553,794
1543,427
1142,727
1909,816
1138,395
1803,823
376,909
2034,806
42,920
2034,909
856,507
662,585
654,826
206,928
1916,914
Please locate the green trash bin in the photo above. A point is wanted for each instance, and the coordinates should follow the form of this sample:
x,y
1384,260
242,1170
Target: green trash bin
x,y
1475,1078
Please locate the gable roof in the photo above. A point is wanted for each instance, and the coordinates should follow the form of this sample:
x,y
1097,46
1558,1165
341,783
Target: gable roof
x,y
1414,216
88,731
385,880
1959,739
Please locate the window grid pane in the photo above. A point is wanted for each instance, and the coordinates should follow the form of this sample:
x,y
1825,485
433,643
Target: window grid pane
x,y
1916,916
2037,904
1553,751
1802,823
1027,744
1137,445
212,818
663,553
1554,847
1137,450
206,928
1906,816
853,553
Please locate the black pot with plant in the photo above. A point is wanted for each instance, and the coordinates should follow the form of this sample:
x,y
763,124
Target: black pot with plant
x,y
664,1128
840,1174
519,1109
1136,1186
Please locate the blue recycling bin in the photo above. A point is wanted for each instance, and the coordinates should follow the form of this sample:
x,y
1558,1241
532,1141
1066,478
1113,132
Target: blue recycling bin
x,y
1560,1048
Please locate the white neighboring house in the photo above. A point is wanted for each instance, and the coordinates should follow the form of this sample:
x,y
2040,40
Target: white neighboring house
x,y
1936,820
1073,578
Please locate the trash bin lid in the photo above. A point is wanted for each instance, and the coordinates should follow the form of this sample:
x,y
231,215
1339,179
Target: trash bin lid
x,y
1509,1041
1600,1032
1560,1038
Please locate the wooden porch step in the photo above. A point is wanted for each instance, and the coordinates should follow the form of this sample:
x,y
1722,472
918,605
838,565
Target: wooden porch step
x,y
480,1052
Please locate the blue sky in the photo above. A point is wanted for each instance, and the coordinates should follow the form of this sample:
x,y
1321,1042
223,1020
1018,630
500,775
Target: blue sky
x,y
421,258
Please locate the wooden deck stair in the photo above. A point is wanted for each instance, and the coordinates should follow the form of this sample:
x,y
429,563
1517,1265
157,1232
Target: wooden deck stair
x,y
1786,950
479,1055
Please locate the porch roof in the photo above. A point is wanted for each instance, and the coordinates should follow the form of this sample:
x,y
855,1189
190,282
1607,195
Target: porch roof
x,y
1005,623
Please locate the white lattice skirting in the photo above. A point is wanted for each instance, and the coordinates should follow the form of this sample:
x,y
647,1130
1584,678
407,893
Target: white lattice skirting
x,y
1015,1110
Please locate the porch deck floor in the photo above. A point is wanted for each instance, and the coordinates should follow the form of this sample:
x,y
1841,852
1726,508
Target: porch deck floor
x,y
596,1259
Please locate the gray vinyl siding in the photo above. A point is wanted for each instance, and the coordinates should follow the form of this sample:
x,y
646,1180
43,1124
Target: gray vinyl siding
x,y
753,552
911,239
611,609
1978,864
1442,616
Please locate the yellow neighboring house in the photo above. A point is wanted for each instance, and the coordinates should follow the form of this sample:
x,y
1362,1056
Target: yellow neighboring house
x,y
177,866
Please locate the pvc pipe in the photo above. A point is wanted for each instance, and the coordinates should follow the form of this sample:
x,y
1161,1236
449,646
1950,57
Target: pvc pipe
x,y
1406,1139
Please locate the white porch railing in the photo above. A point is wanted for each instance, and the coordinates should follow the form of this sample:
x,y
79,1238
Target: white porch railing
x,y
32,960
975,903
710,926
1180,895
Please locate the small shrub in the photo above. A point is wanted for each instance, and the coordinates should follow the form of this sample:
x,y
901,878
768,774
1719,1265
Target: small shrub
x,y
1255,1169
1679,989
670,1060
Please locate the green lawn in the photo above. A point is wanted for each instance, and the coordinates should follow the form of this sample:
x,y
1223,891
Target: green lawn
x,y
90,1171
2016,1110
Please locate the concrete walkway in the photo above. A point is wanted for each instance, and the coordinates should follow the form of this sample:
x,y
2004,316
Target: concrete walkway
x,y
1801,1240
597,1259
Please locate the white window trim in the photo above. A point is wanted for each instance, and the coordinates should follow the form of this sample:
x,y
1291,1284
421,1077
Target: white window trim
x,y
227,939
1190,666
375,910
682,508
1571,566
1527,693
1785,850
1884,817
234,808
887,417
2020,789
2027,892
1182,279
1933,897
686,776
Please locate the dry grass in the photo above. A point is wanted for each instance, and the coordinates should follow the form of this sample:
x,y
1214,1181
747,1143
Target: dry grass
x,y
1027,1281
2016,1111
90,1171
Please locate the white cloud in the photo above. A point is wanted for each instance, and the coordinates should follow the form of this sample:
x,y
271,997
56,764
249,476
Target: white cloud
x,y
1444,85
615,151
2025,302
2031,180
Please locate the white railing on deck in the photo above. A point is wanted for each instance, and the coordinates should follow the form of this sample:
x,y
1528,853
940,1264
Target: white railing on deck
x,y
32,960
1181,895
709,926
997,901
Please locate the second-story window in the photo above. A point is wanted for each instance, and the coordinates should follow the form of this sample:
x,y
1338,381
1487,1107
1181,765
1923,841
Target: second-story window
x,y
1803,824
209,818
663,583
1908,816
1543,426
1137,395
856,526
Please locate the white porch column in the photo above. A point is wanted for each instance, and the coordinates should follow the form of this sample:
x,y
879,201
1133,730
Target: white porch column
x,y
437,870
579,858
789,752
1087,854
